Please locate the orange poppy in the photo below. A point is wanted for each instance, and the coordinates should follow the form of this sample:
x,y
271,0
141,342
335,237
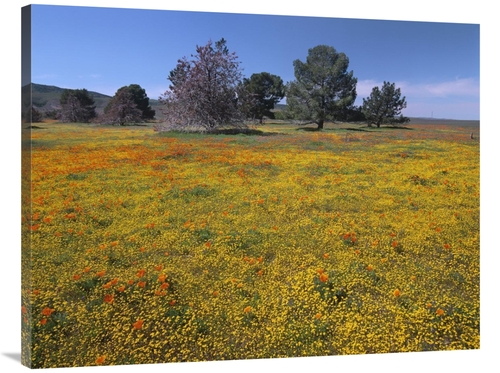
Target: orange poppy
x,y
138,324
215,293
121,288
318,316
396,293
100,273
260,273
164,286
159,267
172,302
100,360
394,243
47,311
77,277
43,321
114,243
162,277
439,312
323,277
260,259
23,310
247,309
208,244
141,284
446,246
86,269
108,298
141,272
369,267
326,255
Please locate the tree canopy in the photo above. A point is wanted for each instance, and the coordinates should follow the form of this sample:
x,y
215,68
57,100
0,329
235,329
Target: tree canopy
x,y
122,109
77,106
204,90
323,88
141,100
384,106
266,90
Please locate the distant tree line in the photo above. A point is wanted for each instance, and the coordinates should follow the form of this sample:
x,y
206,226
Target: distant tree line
x,y
129,105
207,92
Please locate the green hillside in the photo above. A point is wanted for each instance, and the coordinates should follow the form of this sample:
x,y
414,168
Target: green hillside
x,y
46,98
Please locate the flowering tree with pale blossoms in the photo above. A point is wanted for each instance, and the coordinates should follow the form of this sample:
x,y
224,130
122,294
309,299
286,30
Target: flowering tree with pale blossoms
x,y
205,93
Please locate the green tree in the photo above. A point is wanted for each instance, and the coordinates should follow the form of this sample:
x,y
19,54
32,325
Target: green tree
x,y
77,106
384,106
122,109
323,88
141,100
266,90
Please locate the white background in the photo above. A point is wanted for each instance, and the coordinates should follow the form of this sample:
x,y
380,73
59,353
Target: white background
x,y
479,12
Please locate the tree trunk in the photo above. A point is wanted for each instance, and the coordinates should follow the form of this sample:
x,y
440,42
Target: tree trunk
x,y
320,124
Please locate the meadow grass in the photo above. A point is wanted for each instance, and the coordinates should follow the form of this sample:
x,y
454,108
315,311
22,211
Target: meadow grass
x,y
151,248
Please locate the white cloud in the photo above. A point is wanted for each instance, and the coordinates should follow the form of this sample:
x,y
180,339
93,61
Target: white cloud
x,y
458,87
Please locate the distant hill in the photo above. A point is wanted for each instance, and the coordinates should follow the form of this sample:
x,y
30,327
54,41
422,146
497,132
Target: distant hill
x,y
47,97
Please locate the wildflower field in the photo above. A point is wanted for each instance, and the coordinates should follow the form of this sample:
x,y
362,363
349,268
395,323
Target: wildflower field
x,y
148,247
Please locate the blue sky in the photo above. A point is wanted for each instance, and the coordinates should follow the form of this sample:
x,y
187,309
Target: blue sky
x,y
436,65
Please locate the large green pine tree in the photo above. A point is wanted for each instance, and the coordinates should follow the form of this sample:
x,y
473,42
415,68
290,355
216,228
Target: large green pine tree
x,y
323,88
265,90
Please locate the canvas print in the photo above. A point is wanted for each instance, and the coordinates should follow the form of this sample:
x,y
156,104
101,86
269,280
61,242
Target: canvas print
x,y
211,186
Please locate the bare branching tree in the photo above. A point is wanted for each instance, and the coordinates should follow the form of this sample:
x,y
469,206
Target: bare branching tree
x,y
203,95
